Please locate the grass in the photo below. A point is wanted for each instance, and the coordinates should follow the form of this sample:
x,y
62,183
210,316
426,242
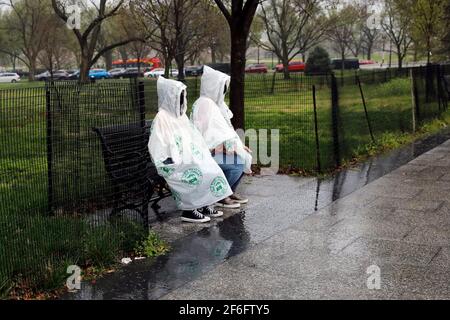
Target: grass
x,y
38,247
152,246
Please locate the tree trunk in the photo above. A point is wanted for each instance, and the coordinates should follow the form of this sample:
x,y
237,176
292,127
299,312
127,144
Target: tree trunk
x,y
167,66
286,73
285,60
108,60
213,54
237,87
84,69
180,64
32,70
400,58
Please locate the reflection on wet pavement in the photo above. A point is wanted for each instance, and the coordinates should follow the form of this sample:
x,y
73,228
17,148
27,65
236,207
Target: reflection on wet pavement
x,y
276,203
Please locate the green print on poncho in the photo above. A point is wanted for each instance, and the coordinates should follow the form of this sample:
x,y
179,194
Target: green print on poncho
x,y
196,152
179,143
192,177
229,145
176,196
165,172
218,187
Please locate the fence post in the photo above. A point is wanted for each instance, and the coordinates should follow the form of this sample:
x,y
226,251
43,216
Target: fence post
x,y
413,99
335,120
316,129
439,89
365,111
272,90
49,149
141,102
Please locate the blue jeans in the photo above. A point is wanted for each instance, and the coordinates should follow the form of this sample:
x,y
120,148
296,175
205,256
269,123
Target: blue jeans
x,y
233,168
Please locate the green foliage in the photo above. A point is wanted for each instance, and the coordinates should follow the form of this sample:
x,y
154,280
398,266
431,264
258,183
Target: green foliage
x,y
153,246
318,61
396,87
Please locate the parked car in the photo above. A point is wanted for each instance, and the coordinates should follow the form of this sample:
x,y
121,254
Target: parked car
x,y
256,68
99,74
9,77
366,62
349,64
294,66
222,67
193,71
74,75
155,73
57,75
117,72
133,73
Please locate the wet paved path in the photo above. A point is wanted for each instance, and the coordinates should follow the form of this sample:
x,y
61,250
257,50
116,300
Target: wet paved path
x,y
304,238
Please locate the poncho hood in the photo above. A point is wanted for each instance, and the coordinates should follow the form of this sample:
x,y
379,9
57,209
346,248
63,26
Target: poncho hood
x,y
213,86
169,95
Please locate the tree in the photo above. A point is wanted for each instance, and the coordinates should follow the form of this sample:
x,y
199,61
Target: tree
x,y
370,38
155,18
427,18
27,23
177,30
289,29
10,52
396,23
445,35
88,38
53,50
318,61
239,15
217,35
342,22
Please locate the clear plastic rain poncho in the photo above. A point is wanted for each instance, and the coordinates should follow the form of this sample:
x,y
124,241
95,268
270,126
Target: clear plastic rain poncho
x,y
181,154
212,117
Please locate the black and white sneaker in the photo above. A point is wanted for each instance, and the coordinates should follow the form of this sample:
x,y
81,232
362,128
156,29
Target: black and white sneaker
x,y
194,216
210,212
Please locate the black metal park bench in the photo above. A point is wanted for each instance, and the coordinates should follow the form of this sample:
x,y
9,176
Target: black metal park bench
x,y
134,178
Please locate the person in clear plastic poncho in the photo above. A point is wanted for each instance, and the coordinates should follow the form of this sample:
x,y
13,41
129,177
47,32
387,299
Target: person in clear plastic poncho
x,y
212,117
182,157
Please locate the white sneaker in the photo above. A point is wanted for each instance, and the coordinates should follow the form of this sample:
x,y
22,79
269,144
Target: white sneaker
x,y
228,204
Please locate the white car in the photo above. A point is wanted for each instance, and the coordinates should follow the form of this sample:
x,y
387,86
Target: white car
x,y
155,73
9,77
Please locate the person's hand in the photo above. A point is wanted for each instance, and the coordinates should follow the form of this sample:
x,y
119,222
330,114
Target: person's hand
x,y
248,149
219,149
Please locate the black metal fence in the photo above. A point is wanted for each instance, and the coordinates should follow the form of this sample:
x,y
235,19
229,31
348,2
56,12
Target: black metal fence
x,y
55,192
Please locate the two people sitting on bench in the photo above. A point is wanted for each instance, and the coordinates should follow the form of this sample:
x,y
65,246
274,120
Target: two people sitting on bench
x,y
182,157
203,161
212,117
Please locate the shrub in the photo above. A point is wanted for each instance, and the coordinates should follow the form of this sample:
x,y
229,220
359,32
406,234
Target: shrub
x,y
153,246
318,61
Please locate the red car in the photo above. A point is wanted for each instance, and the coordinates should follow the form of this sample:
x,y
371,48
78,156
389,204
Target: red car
x,y
256,68
365,62
294,66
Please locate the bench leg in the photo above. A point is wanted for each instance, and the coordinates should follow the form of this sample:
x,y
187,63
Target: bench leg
x,y
144,215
